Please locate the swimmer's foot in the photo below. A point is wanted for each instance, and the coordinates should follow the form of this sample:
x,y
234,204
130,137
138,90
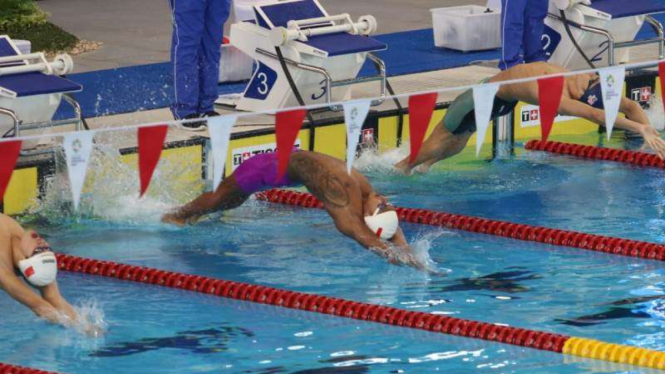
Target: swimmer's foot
x,y
173,218
422,169
403,167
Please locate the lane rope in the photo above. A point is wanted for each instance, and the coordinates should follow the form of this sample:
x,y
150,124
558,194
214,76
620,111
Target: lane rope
x,y
562,238
545,341
13,369
597,153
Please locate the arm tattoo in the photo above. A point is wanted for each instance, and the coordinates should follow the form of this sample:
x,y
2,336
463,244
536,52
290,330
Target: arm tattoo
x,y
324,184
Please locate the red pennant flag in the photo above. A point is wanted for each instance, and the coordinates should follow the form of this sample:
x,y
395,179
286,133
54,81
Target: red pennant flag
x,y
661,73
287,126
549,97
9,152
151,142
421,108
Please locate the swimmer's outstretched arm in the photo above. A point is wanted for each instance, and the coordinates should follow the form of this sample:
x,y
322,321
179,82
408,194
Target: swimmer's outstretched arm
x,y
354,228
227,196
51,306
651,137
20,292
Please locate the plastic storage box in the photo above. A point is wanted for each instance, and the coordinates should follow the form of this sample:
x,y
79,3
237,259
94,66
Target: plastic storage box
x,y
467,28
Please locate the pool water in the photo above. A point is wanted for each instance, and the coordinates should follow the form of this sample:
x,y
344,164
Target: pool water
x,y
529,285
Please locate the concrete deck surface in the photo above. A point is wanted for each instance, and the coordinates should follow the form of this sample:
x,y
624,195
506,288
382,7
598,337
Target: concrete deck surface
x,y
139,31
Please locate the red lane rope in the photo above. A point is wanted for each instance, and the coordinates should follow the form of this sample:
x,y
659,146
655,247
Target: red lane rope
x,y
12,369
563,238
598,153
317,303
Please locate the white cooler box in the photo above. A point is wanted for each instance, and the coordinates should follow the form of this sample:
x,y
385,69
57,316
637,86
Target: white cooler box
x,y
467,28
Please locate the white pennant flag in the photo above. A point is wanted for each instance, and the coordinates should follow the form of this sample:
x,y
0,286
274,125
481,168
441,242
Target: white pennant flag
x,y
355,113
483,101
219,129
611,81
78,147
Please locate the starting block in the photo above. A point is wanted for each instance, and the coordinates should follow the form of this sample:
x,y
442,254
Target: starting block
x,y
31,90
323,54
603,30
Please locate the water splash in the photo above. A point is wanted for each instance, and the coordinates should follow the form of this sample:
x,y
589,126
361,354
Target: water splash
x,y
420,257
656,114
90,314
111,191
371,161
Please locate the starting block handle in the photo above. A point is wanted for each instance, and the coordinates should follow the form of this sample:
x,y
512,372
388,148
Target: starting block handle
x,y
61,64
279,36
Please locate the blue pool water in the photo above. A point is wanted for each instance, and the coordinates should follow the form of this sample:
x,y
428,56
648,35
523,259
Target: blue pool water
x,y
530,285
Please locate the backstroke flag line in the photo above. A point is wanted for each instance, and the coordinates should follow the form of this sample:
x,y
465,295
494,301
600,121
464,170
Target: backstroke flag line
x,y
9,152
287,126
611,82
219,129
355,113
421,108
151,143
549,97
483,101
78,147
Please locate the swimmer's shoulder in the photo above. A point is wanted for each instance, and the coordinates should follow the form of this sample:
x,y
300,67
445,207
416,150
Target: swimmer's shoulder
x,y
8,226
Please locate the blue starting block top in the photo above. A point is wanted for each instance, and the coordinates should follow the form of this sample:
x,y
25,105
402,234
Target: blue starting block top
x,y
6,50
34,83
31,84
279,15
343,44
625,8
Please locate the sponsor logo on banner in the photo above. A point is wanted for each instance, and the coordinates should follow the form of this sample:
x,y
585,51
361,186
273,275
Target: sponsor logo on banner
x,y
368,136
641,94
530,117
241,155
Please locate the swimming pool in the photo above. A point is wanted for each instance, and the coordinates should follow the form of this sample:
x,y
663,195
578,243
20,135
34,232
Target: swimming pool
x,y
529,285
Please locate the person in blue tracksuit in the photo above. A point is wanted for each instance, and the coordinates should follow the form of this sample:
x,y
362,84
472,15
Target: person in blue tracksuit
x,y
522,26
195,53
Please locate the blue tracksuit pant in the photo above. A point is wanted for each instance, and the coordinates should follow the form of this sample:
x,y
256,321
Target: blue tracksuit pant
x,y
522,27
198,26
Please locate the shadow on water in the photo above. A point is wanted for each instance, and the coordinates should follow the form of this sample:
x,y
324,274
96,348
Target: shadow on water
x,y
504,281
634,307
196,341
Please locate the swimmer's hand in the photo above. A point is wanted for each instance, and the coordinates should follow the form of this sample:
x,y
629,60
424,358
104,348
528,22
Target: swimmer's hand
x,y
93,330
653,141
404,255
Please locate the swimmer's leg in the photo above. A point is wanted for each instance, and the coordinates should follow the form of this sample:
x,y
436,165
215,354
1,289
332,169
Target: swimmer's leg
x,y
449,136
227,196
452,145
440,145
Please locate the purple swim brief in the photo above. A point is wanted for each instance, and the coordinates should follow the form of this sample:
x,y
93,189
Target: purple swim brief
x,y
260,173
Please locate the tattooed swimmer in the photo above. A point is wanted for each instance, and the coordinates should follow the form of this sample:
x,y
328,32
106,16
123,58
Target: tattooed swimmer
x,y
357,210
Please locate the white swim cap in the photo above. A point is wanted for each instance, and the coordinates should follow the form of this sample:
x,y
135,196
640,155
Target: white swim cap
x,y
384,224
40,270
